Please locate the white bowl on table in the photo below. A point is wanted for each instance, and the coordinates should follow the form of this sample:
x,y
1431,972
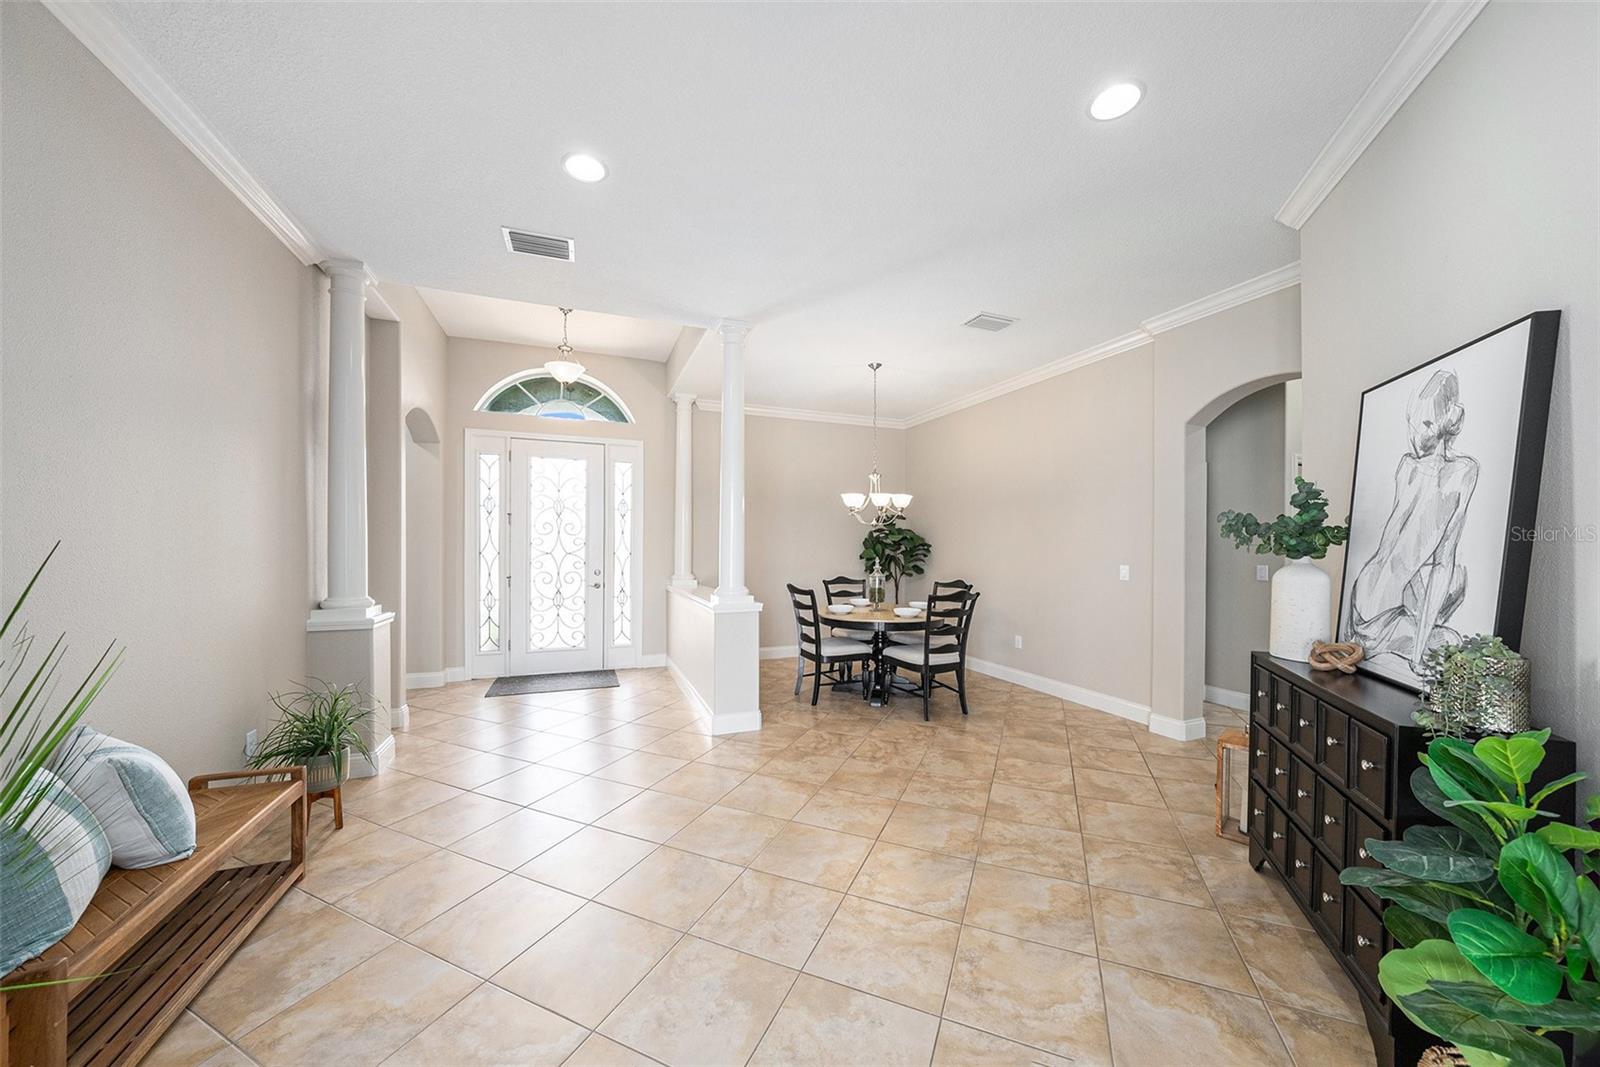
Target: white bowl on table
x,y
908,613
841,608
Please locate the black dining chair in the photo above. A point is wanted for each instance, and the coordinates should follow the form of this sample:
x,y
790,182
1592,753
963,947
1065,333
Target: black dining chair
x,y
844,588
938,588
831,656
943,649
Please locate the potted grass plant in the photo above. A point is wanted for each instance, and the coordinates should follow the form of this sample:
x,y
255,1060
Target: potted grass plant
x,y
318,728
1496,915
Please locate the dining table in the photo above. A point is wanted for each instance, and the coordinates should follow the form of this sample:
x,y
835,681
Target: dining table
x,y
880,622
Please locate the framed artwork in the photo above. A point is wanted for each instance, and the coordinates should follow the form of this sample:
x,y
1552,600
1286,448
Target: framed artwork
x,y
1446,495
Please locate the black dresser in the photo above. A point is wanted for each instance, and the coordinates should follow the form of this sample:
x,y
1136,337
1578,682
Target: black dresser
x,y
1331,757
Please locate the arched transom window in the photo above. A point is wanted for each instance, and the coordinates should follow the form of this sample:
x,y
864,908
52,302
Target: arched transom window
x,y
538,393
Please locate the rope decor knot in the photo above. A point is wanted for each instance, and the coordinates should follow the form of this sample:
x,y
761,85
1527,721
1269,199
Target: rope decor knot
x,y
1336,656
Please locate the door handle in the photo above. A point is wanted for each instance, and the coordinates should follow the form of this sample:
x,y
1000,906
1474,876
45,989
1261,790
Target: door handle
x,y
595,585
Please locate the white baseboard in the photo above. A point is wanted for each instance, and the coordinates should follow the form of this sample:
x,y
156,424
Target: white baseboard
x,y
400,718
1228,698
780,651
690,693
382,756
655,659
456,674
1177,729
1127,709
424,679
739,723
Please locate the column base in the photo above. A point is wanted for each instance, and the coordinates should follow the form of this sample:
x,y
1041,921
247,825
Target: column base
x,y
348,618
347,650
684,581
737,595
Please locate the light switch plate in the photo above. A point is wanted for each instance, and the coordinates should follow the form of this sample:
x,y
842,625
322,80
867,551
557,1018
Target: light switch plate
x,y
1124,573
1261,572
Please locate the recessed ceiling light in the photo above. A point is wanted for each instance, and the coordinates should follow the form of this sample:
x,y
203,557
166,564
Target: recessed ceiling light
x,y
1116,101
584,167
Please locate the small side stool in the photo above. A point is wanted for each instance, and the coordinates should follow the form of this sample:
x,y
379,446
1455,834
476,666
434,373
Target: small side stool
x,y
338,806
1230,741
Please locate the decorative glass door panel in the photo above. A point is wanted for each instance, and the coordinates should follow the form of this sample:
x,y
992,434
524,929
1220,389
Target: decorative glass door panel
x,y
556,603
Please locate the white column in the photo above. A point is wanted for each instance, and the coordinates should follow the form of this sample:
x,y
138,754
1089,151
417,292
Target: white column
x,y
683,495
730,512
347,439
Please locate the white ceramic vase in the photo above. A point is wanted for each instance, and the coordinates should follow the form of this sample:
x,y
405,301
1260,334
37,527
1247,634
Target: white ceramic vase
x,y
1301,597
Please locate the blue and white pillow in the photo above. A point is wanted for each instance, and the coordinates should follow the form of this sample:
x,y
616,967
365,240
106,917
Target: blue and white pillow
x,y
50,868
142,805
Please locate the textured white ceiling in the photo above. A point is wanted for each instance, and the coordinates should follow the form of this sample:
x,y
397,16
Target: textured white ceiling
x,y
855,179
491,318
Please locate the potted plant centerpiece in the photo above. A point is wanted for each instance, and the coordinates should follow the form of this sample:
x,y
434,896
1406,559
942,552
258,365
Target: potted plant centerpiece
x,y
1475,685
1496,916
318,727
1301,591
898,551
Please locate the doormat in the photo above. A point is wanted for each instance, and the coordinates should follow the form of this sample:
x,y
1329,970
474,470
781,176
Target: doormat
x,y
516,685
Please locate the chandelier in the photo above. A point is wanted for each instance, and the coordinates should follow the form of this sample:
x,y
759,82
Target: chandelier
x,y
875,507
564,370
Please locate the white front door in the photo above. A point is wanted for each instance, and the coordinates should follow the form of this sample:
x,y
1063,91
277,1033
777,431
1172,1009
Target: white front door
x,y
556,618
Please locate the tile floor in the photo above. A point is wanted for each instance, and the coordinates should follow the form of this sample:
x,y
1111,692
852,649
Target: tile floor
x,y
589,878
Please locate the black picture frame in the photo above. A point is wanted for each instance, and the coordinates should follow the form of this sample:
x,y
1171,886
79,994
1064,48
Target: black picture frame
x,y
1527,472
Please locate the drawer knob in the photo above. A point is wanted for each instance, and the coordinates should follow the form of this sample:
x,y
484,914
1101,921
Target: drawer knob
x,y
1258,813
1327,898
1281,707
1299,865
1280,770
1362,852
1302,793
1261,753
1328,820
1261,694
1363,942
1368,765
1331,740
1276,836
1304,723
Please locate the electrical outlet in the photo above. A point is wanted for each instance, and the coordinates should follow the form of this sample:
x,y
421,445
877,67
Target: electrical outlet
x,y
249,744
1124,573
1017,641
1261,572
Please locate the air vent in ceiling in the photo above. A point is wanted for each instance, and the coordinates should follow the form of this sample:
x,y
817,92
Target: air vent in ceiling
x,y
986,321
539,244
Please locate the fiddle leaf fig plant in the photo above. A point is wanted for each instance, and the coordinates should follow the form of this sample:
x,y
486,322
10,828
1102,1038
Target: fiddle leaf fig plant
x,y
1305,534
901,552
1498,934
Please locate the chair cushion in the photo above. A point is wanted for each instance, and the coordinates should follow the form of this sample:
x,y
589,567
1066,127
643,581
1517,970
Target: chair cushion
x,y
50,869
138,800
906,639
913,654
833,647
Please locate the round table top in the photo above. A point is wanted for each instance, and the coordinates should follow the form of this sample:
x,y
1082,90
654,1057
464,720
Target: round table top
x,y
882,618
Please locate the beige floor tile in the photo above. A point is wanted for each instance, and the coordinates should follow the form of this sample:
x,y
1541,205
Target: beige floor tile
x,y
1318,1041
1173,939
1151,872
455,818
640,768
1033,774
935,829
1120,761
517,838
945,763
684,745
1038,849
887,951
587,799
963,1046
1200,834
774,918
588,861
1095,737
652,816
188,1043
1128,822
1292,966
801,767
970,795
1199,798
1041,996
487,930
1118,787
1032,907
1155,1019
738,755
408,898
813,854
703,782
850,813
489,1028
670,887
1238,889
404,987
889,753
477,770
727,834
871,778
541,746
600,1051
344,865
531,783
634,735
400,800
584,967
586,758
1036,807
928,882
823,743
824,1023
704,1004
1180,769
267,975
545,718
1036,751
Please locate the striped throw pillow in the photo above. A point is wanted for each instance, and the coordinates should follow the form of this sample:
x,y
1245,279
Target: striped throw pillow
x,y
50,867
142,805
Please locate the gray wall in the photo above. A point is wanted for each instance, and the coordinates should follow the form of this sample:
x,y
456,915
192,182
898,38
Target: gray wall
x,y
1244,472
160,369
1478,203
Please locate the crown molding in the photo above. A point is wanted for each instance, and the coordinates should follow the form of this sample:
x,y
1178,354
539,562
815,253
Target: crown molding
x,y
1429,38
98,29
803,415
1231,297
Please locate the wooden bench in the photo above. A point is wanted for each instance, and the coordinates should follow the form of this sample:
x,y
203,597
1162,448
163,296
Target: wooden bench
x,y
152,938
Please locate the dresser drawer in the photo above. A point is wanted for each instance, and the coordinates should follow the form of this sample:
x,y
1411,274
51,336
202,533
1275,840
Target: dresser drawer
x,y
1258,750
1277,839
1369,777
1327,903
1332,815
1362,827
1303,791
1302,865
1303,723
1260,694
1278,773
1258,815
1282,693
1366,943
1333,743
